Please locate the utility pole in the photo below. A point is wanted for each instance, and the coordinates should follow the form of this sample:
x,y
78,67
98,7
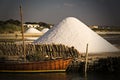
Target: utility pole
x,y
86,61
86,58
22,28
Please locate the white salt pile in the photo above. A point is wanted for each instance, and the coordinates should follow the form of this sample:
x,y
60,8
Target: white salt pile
x,y
72,32
32,30
44,30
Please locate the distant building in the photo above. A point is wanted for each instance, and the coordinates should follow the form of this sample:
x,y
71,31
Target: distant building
x,y
94,27
37,25
31,25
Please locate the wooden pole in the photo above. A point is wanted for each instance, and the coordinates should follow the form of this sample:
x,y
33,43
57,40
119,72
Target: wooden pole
x,y
86,58
22,29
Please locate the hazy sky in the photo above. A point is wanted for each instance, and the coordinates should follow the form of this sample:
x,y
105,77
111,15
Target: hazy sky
x,y
91,12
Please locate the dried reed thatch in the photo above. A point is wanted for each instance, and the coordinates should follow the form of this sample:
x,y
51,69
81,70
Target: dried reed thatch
x,y
36,52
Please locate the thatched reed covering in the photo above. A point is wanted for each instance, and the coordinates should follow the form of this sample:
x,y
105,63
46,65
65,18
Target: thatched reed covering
x,y
36,52
110,64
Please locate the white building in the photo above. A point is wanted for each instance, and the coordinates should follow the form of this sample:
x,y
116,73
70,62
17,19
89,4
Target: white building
x,y
94,27
31,25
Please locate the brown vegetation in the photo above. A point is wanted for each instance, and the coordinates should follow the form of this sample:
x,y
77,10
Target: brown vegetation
x,y
37,52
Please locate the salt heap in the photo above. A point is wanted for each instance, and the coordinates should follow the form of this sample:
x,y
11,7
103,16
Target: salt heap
x,y
72,32
44,30
32,30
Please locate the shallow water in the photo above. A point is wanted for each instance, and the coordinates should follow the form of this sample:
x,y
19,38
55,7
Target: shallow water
x,y
113,39
58,76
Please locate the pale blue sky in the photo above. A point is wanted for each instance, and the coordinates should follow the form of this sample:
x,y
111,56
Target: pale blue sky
x,y
91,12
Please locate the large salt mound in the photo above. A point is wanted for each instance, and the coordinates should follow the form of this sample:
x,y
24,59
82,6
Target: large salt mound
x,y
72,32
32,30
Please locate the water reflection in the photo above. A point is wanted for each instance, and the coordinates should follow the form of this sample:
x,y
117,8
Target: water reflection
x,y
94,76
58,76
33,76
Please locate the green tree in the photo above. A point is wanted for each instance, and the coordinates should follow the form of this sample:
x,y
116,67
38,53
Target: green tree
x,y
9,26
44,25
15,22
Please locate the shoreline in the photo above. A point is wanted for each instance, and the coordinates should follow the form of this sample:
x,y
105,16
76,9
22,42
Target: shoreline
x,y
108,32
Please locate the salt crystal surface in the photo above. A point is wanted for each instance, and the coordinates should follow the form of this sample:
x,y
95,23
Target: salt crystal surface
x,y
44,30
72,32
32,30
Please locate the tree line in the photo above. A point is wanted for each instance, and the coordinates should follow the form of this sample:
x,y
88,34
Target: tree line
x,y
11,25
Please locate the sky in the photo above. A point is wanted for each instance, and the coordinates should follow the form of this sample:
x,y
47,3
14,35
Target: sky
x,y
91,12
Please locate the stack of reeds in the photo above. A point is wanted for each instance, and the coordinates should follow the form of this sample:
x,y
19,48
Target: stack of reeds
x,y
110,64
38,51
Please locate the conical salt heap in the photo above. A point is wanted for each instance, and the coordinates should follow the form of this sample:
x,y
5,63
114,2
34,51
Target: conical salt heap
x,y
72,32
32,30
